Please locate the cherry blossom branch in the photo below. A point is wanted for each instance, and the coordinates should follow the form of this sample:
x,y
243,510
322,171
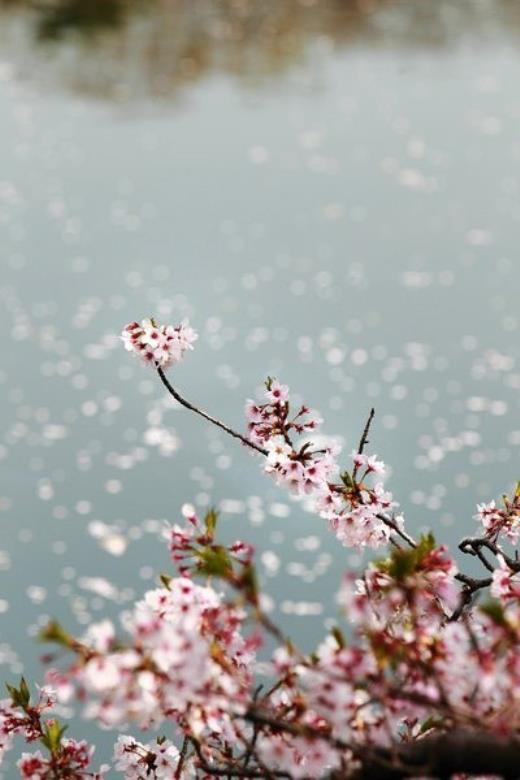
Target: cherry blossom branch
x,y
470,587
474,545
391,523
439,756
192,408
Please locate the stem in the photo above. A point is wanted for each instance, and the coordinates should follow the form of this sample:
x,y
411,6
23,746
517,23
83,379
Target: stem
x,y
207,416
390,522
364,438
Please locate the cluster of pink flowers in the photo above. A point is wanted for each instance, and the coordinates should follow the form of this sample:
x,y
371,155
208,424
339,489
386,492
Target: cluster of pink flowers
x,y
356,510
73,761
422,580
186,661
409,664
158,345
191,543
160,760
67,758
505,584
298,757
506,519
188,664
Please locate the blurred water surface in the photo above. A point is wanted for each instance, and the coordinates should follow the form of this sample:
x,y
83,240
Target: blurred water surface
x,y
330,192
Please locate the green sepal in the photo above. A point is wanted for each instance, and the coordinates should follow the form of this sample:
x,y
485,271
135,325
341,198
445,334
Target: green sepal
x,y
210,522
53,731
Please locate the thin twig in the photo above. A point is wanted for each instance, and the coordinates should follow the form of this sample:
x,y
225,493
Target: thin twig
x,y
473,546
207,416
364,439
391,523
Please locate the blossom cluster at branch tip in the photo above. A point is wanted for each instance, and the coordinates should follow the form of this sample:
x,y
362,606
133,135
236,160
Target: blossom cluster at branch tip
x,y
353,507
158,345
505,520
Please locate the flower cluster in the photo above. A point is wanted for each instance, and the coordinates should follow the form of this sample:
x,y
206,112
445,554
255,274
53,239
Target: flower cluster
x,y
160,760
356,510
158,345
298,757
409,669
187,661
193,550
505,520
73,761
67,758
360,513
505,585
409,585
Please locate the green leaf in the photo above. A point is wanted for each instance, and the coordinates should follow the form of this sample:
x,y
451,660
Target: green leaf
x,y
337,633
425,546
432,722
165,579
21,696
403,563
347,479
214,561
24,691
249,581
54,632
53,731
210,521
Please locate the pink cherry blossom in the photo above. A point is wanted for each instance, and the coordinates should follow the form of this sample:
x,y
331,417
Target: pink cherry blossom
x,y
158,345
506,583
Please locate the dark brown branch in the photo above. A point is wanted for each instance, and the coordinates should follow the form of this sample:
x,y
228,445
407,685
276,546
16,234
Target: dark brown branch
x,y
208,417
443,756
470,587
440,756
223,771
473,546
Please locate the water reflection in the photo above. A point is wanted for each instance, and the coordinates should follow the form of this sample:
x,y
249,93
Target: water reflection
x,y
59,19
118,49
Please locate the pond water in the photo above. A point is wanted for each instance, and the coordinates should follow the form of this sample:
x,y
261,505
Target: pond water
x,y
330,192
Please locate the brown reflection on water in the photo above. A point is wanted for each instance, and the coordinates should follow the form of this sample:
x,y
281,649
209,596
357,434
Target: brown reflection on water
x,y
125,50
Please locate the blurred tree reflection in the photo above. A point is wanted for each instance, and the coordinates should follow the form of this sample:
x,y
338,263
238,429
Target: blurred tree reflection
x,y
133,48
54,20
